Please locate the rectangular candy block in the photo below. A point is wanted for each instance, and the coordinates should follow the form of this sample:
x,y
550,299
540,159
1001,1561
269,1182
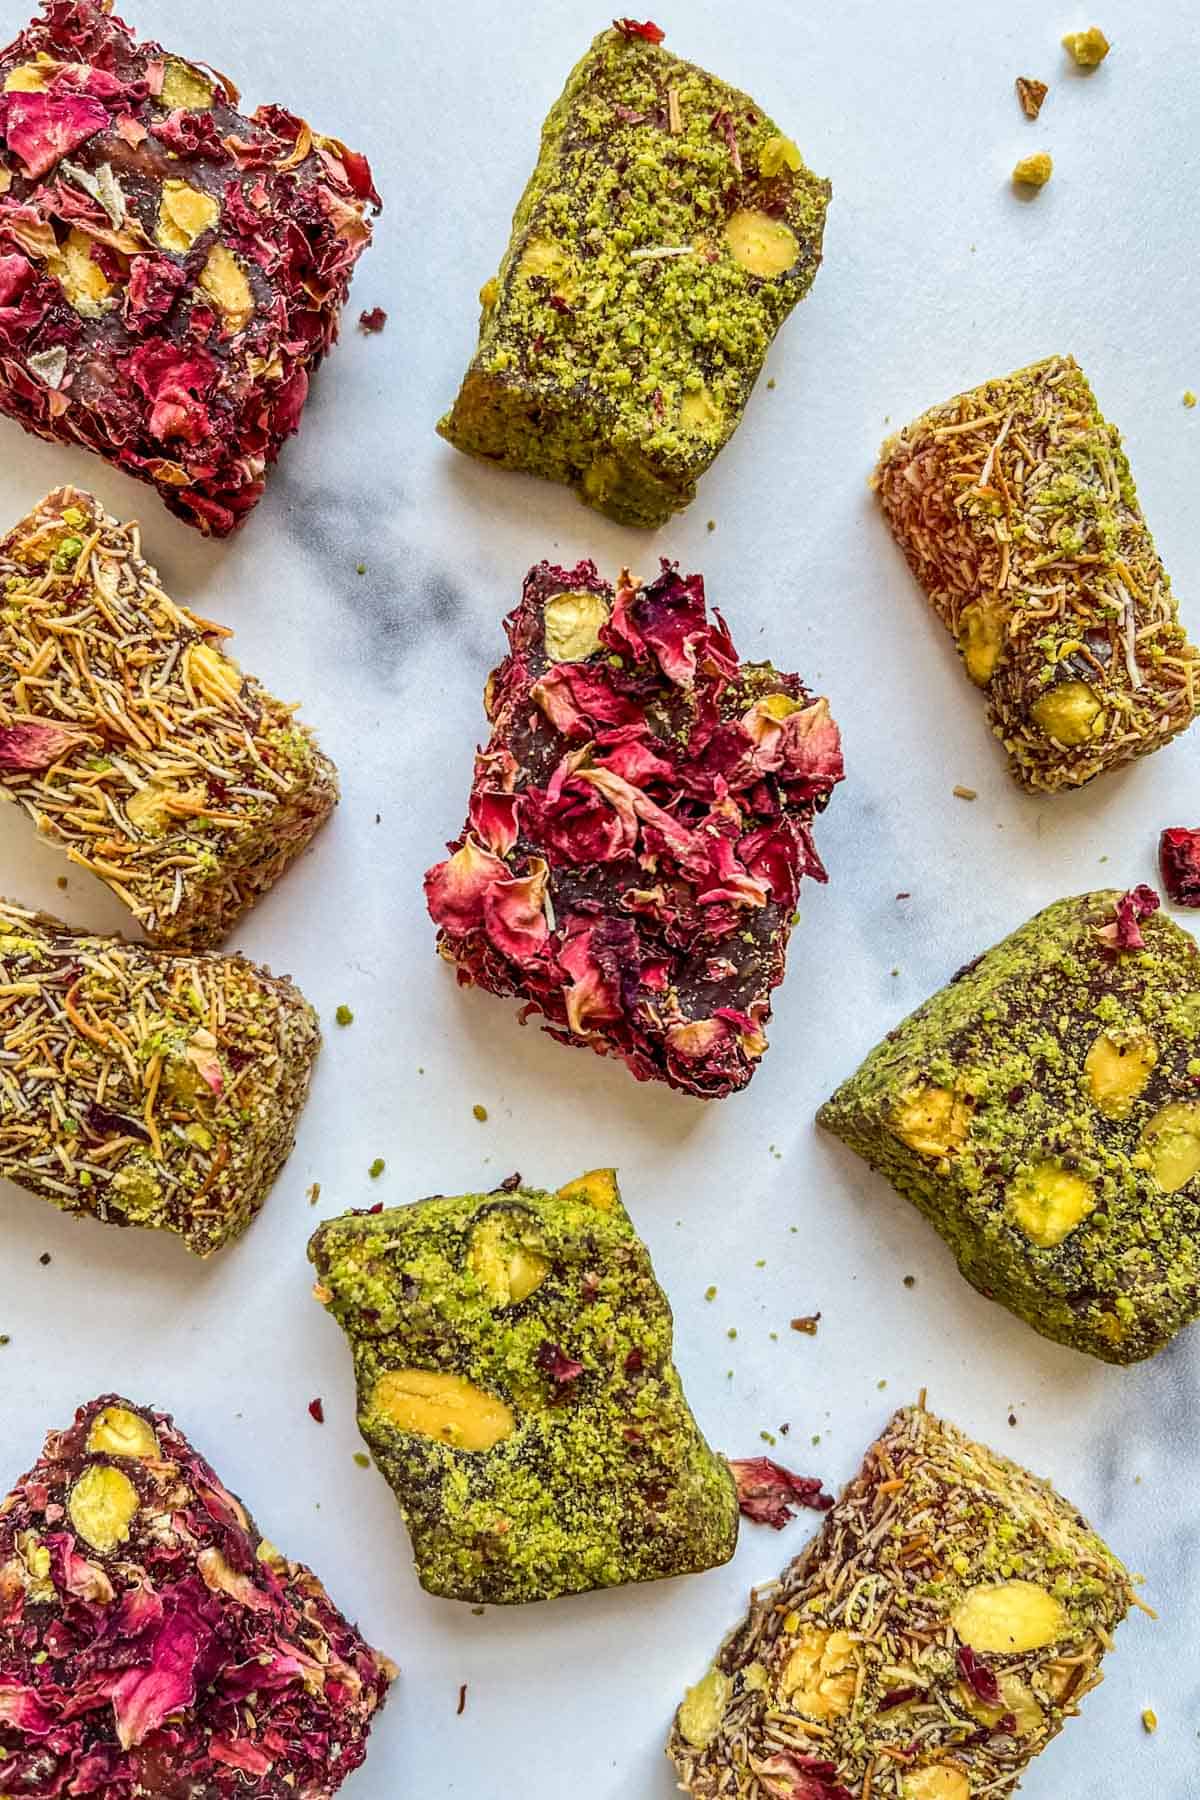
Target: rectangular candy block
x,y
666,233
1043,1112
512,1353
133,742
144,1088
171,272
639,827
927,1645
152,1641
1016,509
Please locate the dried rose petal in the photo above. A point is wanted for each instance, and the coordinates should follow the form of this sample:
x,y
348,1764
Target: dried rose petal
x,y
789,1776
454,889
316,1410
21,1708
979,1677
373,320
555,1363
1124,933
630,28
1179,861
43,128
767,1492
33,744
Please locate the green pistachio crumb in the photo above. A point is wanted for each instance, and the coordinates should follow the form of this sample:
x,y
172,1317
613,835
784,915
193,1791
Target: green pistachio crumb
x,y
910,1281
1189,398
360,568
362,1459
732,1332
710,1293
768,1437
344,1016
480,1112
1149,1719
376,1169
4,1339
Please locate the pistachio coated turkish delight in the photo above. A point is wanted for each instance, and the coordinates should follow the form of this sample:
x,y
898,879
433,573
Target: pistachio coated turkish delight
x,y
134,742
639,827
512,1353
1043,1112
928,1644
668,230
145,1088
152,1641
1016,509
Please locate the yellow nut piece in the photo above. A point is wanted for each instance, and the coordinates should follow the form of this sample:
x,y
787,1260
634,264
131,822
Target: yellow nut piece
x,y
936,1781
821,1674
699,413
1034,171
225,282
116,1431
147,808
28,78
82,280
933,1121
762,245
1048,1203
184,213
507,1270
1009,1617
1172,1142
214,677
1071,713
102,1506
1015,1698
703,1708
981,640
572,626
597,1188
445,1407
1118,1066
1089,48
545,259
489,293
186,87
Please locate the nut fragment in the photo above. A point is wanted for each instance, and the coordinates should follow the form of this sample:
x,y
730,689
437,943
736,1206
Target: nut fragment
x,y
1034,171
1015,1698
445,1407
1089,48
821,1674
1172,1141
933,1121
573,623
81,278
224,281
936,1781
1031,93
102,1506
1009,1617
981,640
598,1188
184,213
185,87
215,677
1048,1202
119,1432
703,1708
700,413
1071,713
1118,1066
506,1269
762,245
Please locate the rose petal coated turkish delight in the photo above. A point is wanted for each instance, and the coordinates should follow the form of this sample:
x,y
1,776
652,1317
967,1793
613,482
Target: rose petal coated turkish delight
x,y
639,826
1016,509
666,233
152,1641
1042,1112
171,272
934,1638
146,1088
131,739
512,1352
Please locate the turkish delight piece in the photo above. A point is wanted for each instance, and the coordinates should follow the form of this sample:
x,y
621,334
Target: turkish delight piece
x,y
132,740
928,1644
665,235
512,1353
1042,1112
1016,509
171,271
639,827
146,1088
152,1641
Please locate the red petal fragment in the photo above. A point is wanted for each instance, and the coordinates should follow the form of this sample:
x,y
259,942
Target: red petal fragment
x,y
789,1776
43,128
32,745
239,1753
669,621
144,1699
21,1708
454,889
514,916
979,1677
373,320
1179,861
555,1363
316,1410
1124,932
767,1492
631,28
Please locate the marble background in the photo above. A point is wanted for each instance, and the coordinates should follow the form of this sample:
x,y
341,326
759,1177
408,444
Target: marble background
x,y
936,276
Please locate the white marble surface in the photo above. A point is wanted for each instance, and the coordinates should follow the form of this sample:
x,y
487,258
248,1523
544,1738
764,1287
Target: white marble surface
x,y
936,276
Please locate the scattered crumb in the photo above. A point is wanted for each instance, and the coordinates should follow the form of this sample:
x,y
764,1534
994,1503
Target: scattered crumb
x,y
1149,1719
373,320
362,1459
1089,48
1031,93
1012,1418
314,1193
904,896
964,793
732,1332
61,881
712,524
376,1169
768,1437
45,1258
816,1438
895,972
710,1293
4,1339
462,1701
480,1112
771,382
774,1336
316,1410
808,1324
1189,399
761,1263
910,1281
881,1385
1034,171
478,1611
344,1016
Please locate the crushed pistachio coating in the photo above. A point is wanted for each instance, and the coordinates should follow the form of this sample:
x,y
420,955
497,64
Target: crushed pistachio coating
x,y
512,1352
666,233
1016,509
132,740
146,1088
927,1645
1043,1112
